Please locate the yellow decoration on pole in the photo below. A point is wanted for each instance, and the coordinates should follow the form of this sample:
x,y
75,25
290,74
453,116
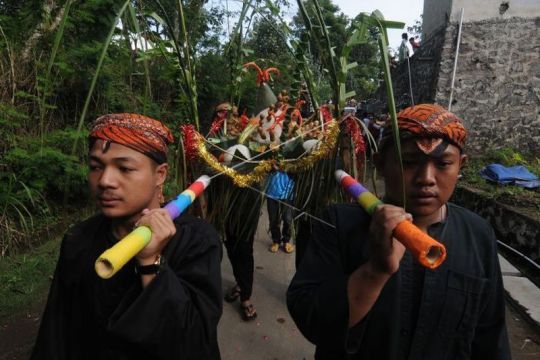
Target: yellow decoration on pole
x,y
190,193
114,258
367,200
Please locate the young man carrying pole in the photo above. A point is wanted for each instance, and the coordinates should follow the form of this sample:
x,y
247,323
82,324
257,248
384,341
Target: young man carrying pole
x,y
163,304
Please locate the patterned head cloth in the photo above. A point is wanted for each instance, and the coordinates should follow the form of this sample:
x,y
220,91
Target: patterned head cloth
x,y
431,126
138,132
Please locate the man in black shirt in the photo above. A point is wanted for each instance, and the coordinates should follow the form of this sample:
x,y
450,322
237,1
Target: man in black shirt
x,y
166,302
358,294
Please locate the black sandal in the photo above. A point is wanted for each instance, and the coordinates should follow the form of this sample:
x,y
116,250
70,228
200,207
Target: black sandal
x,y
248,312
232,294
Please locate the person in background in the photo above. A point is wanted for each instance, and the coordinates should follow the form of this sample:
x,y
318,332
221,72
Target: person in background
x,y
403,52
359,294
165,303
279,192
414,44
237,222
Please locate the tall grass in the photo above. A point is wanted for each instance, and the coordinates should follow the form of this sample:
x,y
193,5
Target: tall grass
x,y
11,59
17,201
47,82
148,83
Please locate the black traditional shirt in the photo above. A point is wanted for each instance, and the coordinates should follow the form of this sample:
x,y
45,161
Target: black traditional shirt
x,y
453,312
174,317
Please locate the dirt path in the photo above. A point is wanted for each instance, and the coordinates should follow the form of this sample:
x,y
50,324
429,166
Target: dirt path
x,y
18,332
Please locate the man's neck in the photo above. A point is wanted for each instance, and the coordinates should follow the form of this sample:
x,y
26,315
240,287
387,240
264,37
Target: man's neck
x,y
123,226
425,222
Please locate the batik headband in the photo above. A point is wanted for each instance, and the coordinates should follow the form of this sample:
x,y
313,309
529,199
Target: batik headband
x,y
431,126
135,131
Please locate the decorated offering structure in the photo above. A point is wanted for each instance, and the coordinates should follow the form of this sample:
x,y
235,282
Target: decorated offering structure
x,y
276,135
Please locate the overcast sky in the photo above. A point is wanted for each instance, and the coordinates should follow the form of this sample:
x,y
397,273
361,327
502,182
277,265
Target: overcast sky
x,y
406,11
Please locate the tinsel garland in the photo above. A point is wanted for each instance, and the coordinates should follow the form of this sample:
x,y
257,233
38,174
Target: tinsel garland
x,y
242,180
327,144
264,167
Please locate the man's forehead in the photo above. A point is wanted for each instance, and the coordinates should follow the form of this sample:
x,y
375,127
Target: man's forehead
x,y
109,149
434,148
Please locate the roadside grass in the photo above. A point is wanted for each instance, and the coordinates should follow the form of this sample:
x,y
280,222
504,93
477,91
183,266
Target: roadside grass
x,y
508,194
24,278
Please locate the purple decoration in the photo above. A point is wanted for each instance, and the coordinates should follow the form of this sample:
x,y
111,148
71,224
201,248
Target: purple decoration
x,y
178,205
356,189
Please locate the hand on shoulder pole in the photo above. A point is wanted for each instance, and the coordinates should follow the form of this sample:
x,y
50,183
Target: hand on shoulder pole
x,y
133,244
426,250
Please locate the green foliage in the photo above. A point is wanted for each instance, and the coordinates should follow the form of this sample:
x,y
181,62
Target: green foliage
x,y
25,277
416,29
10,121
17,201
48,168
345,50
508,157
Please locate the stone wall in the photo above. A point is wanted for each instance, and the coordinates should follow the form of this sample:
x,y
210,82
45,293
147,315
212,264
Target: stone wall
x,y
513,226
497,85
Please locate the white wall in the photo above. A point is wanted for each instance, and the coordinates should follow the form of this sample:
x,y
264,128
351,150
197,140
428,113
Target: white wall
x,y
436,11
476,10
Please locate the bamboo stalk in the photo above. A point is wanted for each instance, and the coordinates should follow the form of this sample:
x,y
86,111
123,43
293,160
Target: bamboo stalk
x,y
96,74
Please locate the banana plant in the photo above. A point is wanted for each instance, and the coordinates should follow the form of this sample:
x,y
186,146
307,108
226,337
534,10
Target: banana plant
x,y
295,47
376,18
337,67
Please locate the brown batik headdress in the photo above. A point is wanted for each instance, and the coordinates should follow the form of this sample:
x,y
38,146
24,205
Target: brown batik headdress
x,y
135,131
431,126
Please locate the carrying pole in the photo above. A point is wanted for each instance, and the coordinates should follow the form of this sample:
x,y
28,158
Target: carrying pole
x,y
455,60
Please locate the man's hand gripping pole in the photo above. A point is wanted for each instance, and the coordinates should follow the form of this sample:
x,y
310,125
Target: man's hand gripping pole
x,y
426,250
117,256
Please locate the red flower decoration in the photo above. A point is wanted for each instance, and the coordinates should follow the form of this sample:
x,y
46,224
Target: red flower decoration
x,y
356,135
190,142
327,115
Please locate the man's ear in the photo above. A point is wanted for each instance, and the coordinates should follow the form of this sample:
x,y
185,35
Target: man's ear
x,y
463,160
161,173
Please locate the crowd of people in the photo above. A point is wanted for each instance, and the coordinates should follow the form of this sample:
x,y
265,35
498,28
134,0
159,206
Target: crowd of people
x,y
357,293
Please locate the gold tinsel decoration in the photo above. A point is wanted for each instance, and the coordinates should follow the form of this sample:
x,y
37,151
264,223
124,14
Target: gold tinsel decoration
x,y
262,169
242,180
326,145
